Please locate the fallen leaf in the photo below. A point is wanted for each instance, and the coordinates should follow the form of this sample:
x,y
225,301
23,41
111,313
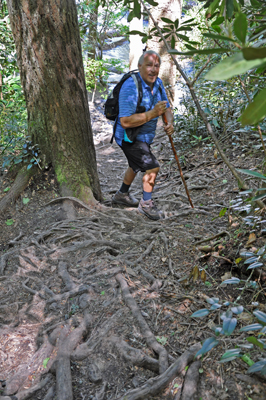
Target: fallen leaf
x,y
245,317
205,249
203,275
227,275
252,238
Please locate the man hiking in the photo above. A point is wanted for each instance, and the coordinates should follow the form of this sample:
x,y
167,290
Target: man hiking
x,y
138,153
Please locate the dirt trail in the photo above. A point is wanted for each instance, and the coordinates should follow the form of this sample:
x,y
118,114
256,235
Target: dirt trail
x,y
99,307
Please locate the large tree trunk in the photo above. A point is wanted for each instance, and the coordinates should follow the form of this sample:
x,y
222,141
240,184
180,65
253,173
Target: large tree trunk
x,y
168,9
49,56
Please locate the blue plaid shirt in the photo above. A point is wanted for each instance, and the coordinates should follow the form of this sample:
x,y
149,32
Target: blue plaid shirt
x,y
128,98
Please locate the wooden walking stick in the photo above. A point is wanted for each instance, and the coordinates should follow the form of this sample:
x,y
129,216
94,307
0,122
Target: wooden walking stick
x,y
178,163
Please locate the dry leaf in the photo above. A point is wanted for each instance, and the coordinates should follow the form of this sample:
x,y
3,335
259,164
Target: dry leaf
x,y
227,275
205,249
252,238
195,273
203,275
246,317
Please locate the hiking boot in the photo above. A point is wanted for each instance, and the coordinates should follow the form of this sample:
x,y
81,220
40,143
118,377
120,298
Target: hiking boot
x,y
149,209
127,199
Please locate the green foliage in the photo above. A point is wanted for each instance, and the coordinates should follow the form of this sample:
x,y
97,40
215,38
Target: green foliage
x,y
13,116
229,323
95,71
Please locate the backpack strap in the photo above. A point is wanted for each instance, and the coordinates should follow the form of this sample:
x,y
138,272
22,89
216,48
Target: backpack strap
x,y
138,84
136,78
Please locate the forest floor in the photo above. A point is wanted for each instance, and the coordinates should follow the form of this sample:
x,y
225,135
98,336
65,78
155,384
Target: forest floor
x,y
100,306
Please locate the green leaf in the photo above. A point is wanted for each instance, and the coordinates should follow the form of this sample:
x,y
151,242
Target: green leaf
x,y
152,3
137,9
212,300
131,15
103,292
241,27
45,362
167,20
229,325
218,37
176,23
237,310
200,313
214,4
29,166
207,346
222,212
229,8
218,21
257,366
231,281
230,355
231,66
9,222
255,111
173,42
259,197
25,200
205,51
255,265
184,37
252,173
136,33
251,53
6,189
247,360
255,341
252,327
260,315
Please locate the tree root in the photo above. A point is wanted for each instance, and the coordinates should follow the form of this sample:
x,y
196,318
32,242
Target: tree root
x,y
145,330
20,183
134,356
190,386
155,385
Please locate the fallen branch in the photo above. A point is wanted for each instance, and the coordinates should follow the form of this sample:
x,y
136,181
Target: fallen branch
x,y
213,237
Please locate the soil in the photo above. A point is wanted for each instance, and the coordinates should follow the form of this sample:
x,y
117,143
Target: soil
x,y
77,296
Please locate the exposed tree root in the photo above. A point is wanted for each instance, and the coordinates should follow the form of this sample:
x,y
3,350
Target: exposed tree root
x,y
190,386
20,183
155,385
145,330
135,356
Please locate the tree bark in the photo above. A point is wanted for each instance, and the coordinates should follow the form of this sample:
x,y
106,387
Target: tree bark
x,y
49,57
167,9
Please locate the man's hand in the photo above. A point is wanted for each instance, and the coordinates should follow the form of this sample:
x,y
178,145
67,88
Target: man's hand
x,y
168,119
169,129
160,108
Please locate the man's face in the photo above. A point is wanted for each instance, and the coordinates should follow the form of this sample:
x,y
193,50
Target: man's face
x,y
149,69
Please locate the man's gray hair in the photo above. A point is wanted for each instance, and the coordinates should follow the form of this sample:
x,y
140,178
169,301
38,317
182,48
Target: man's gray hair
x,y
141,59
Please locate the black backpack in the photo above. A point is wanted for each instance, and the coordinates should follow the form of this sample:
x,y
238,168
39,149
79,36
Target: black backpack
x,y
111,106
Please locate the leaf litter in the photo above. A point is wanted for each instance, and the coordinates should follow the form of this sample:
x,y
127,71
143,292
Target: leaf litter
x,y
118,290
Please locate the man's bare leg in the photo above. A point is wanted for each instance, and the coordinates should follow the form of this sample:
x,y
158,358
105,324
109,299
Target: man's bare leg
x,y
129,176
148,179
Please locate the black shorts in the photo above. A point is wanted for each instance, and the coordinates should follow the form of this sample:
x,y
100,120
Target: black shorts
x,y
139,156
